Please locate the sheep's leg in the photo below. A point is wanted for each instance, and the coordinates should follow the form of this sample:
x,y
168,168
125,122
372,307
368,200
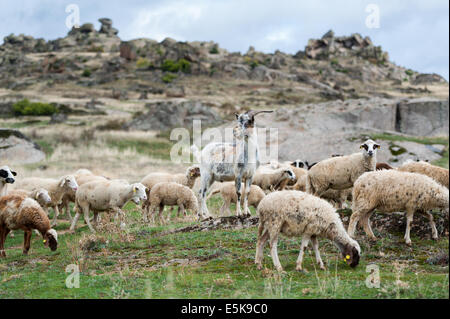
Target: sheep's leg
x,y
225,207
274,251
67,207
95,219
237,184
2,241
315,244
161,208
409,219
26,241
248,184
367,227
75,218
303,245
55,217
263,236
181,210
434,232
85,210
353,223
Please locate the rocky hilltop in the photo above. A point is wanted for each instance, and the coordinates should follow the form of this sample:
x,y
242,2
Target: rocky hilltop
x,y
329,94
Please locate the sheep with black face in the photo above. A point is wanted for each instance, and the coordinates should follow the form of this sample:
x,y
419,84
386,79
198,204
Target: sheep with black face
x,y
6,177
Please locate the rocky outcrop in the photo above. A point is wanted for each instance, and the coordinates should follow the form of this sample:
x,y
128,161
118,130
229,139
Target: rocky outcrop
x,y
330,46
164,115
17,148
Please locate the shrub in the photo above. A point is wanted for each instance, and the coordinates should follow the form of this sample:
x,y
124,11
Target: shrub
x,y
143,63
214,50
86,73
168,78
172,66
96,49
253,63
409,72
25,107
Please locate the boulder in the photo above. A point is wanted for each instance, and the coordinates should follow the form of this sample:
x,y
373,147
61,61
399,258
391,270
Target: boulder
x,y
164,115
428,78
16,148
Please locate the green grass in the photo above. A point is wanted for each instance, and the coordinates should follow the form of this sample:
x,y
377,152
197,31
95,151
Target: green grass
x,y
443,161
221,266
157,148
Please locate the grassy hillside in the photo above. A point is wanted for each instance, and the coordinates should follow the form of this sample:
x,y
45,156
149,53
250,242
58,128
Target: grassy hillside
x,y
139,262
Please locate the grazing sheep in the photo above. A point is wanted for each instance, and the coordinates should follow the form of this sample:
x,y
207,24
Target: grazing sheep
x,y
187,179
170,194
300,176
40,195
437,173
21,212
228,192
392,191
6,177
56,189
295,213
109,195
342,171
82,176
276,179
379,166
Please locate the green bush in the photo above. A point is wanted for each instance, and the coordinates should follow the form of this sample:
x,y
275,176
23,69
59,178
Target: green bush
x,y
25,107
168,78
143,63
172,66
86,73
214,50
409,72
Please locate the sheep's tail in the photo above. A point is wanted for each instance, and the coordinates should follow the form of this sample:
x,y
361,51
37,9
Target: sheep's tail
x,y
309,188
196,152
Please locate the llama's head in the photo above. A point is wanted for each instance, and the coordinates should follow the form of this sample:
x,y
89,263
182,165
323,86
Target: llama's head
x,y
246,123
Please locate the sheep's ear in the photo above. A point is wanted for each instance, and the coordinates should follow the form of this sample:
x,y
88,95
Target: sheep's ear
x,y
236,115
3,173
377,146
135,189
63,180
14,173
147,190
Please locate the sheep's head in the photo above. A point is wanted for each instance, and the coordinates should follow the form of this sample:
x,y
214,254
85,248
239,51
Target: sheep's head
x,y
68,182
351,254
289,174
193,172
7,175
369,148
139,193
43,197
246,123
51,239
298,163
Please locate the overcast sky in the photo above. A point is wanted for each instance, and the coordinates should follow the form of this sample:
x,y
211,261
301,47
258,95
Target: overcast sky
x,y
414,32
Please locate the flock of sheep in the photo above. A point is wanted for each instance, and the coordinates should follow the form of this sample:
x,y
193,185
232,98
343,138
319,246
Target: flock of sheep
x,y
291,198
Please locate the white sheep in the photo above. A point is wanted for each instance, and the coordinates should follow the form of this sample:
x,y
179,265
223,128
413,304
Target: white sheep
x,y
110,195
392,191
82,176
186,179
439,174
6,177
56,188
295,213
276,179
21,212
342,171
228,192
170,194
